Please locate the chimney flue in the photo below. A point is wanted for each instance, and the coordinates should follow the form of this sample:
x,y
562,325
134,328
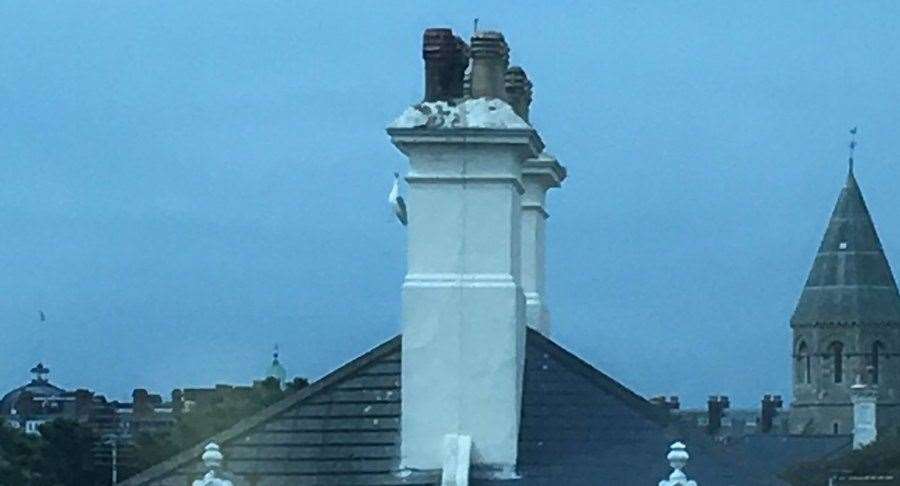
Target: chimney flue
x,y
716,406
518,91
670,403
770,406
490,59
446,58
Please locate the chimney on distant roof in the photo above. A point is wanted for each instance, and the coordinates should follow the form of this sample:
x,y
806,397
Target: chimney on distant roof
x,y
667,403
140,405
770,406
446,58
83,402
490,60
716,406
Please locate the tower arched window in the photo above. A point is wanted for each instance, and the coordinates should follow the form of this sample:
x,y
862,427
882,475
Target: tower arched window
x,y
836,349
875,359
804,364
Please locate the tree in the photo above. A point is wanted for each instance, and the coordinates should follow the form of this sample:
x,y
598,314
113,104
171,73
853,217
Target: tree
x,y
62,455
17,457
65,456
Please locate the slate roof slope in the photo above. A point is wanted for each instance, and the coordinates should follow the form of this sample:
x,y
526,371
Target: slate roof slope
x,y
773,454
851,280
579,427
341,430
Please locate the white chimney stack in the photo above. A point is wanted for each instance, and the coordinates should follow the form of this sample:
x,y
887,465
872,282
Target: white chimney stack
x,y
463,302
539,175
864,398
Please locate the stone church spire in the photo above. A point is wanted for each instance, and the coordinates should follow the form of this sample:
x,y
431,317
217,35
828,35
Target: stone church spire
x,y
846,325
850,281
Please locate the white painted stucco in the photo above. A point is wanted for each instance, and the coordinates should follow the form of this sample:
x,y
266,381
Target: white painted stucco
x,y
457,459
538,175
463,303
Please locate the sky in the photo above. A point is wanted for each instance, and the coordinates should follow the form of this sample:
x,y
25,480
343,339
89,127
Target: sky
x,y
185,184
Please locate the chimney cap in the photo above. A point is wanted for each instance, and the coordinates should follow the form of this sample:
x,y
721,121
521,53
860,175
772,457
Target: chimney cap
x,y
489,44
516,77
439,43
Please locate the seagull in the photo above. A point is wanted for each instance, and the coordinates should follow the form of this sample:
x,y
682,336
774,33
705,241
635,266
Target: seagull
x,y
397,201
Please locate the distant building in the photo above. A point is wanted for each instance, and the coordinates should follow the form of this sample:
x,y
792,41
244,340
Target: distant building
x,y
39,401
846,325
147,413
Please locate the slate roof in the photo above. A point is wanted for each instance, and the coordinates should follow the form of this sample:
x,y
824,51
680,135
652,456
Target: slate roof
x,y
775,453
579,427
851,280
343,429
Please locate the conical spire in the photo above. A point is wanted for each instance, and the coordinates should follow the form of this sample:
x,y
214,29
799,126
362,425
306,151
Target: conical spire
x,y
851,280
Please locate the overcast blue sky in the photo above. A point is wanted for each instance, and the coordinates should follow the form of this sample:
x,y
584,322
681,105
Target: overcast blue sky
x,y
183,184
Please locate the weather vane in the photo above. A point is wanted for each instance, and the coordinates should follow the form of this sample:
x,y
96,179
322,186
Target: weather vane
x,y
852,146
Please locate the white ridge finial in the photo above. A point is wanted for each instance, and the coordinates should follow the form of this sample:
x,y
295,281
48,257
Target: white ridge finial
x,y
212,458
678,458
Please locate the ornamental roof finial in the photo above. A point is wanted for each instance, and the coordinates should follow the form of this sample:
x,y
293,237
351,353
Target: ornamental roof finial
x,y
212,459
39,371
677,457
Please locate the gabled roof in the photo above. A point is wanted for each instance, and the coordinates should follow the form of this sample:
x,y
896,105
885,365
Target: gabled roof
x,y
342,429
851,280
578,427
582,428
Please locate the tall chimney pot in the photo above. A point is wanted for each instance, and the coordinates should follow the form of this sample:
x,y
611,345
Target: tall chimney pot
x,y
490,59
446,58
518,91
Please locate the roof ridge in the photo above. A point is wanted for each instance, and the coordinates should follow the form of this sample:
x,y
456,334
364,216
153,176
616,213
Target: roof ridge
x,y
246,424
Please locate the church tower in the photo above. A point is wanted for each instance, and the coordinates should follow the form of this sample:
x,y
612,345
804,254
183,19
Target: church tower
x,y
846,326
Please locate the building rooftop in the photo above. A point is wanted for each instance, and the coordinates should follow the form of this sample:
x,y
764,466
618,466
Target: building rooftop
x,y
577,425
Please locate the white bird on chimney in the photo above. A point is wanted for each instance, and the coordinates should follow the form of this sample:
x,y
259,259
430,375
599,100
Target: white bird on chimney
x,y
397,201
